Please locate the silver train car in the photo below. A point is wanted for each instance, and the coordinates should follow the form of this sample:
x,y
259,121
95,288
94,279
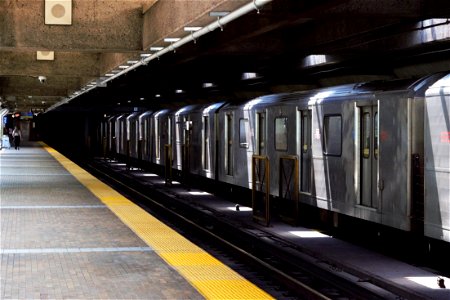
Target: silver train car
x,y
360,150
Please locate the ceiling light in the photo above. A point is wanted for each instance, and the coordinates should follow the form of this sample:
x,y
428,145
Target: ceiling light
x,y
249,75
192,28
142,99
218,13
144,55
132,62
45,55
123,67
208,85
179,91
157,95
171,40
129,101
156,48
115,71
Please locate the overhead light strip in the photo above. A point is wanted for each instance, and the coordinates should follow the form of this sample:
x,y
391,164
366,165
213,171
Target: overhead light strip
x,y
222,20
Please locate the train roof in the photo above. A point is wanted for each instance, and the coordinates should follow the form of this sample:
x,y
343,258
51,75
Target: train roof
x,y
442,86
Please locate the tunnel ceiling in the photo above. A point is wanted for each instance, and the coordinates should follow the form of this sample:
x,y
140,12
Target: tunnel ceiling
x,y
289,44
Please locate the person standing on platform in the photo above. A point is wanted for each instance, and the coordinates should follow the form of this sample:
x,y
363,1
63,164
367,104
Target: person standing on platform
x,y
17,134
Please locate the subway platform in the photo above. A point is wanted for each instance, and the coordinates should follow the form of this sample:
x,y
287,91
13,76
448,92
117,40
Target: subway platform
x,y
65,234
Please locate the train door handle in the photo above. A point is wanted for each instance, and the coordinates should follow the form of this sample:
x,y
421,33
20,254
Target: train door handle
x,y
381,184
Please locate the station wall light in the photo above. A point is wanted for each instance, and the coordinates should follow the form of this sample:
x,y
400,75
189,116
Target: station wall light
x,y
45,55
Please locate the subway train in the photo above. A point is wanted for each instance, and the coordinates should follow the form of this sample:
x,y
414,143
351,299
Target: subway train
x,y
377,151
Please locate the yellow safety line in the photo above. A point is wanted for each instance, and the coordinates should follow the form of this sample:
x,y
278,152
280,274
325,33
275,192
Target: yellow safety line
x,y
209,276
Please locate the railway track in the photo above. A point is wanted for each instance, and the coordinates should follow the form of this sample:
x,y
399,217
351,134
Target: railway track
x,y
276,266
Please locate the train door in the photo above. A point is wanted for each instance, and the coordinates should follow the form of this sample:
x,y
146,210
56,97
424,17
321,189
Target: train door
x,y
369,156
305,150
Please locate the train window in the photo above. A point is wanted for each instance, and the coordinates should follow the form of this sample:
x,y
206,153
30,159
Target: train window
x,y
243,124
375,134
332,135
366,122
281,134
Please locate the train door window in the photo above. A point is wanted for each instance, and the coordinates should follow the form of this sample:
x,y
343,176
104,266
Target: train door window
x,y
332,135
281,134
157,139
366,134
169,130
205,148
375,135
368,164
305,153
229,144
243,124
261,133
145,137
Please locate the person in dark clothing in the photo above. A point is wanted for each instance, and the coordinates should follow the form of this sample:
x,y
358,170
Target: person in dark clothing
x,y
17,135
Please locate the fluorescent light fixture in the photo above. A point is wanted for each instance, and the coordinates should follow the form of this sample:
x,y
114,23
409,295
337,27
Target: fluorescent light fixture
x,y
249,75
129,101
144,55
156,48
90,85
157,95
171,40
123,67
132,62
218,13
109,74
115,71
142,99
192,28
315,59
178,91
208,85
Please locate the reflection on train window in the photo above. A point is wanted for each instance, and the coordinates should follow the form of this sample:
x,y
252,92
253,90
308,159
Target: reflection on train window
x,y
366,135
375,139
243,124
332,135
281,134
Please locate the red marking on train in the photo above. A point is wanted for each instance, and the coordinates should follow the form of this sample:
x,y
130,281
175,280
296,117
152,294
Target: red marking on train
x,y
383,136
445,137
